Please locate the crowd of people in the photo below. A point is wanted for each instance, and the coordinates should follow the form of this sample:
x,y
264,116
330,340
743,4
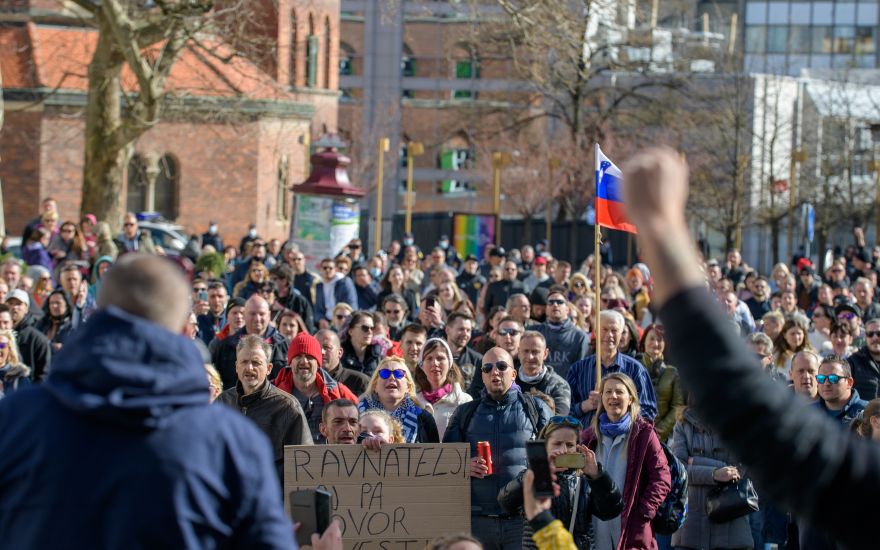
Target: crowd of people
x,y
406,346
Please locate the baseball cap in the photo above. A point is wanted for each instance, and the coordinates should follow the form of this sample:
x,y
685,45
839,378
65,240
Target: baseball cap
x,y
20,295
540,260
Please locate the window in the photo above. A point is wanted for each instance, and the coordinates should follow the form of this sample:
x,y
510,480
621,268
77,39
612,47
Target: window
x,y
136,191
407,68
756,13
867,14
165,201
800,13
466,67
777,39
328,41
291,77
822,13
777,14
756,39
312,61
157,176
845,13
865,40
346,59
282,203
822,39
843,39
799,40
455,159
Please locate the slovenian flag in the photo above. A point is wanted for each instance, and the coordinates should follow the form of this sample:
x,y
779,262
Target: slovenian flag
x,y
609,195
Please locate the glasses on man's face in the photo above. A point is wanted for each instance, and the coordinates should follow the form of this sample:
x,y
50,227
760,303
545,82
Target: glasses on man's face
x,y
298,258
508,332
847,316
555,302
385,374
128,224
831,378
873,334
328,267
200,289
500,366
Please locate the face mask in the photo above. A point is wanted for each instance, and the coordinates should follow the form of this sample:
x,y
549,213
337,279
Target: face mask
x,y
212,230
375,272
252,233
444,244
407,242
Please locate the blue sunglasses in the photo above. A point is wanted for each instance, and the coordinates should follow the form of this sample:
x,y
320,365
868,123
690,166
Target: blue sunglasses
x,y
385,374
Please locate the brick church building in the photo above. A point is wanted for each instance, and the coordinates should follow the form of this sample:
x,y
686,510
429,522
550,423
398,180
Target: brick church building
x,y
230,144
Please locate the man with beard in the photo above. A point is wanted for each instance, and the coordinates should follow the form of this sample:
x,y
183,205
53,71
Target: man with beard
x,y
339,422
534,375
331,357
32,344
312,386
459,328
566,342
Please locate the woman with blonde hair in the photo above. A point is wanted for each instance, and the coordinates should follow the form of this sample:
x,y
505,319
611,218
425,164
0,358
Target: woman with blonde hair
x,y
868,424
13,374
378,428
392,389
578,286
439,382
215,383
629,450
341,315
257,274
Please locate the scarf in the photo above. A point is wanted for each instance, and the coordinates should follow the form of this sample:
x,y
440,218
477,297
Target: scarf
x,y
614,429
407,413
558,327
532,379
433,396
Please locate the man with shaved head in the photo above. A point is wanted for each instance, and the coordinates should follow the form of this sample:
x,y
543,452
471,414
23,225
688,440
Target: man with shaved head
x,y
176,472
256,321
508,418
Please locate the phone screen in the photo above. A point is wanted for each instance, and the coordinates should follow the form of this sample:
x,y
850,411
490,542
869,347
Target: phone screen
x,y
540,465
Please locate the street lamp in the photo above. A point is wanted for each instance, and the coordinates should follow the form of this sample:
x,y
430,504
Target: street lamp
x,y
797,156
499,161
413,149
383,146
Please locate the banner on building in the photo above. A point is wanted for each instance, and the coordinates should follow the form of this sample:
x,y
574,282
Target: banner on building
x,y
472,233
399,497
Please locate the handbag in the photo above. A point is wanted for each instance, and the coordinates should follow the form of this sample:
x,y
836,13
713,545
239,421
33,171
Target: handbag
x,y
731,500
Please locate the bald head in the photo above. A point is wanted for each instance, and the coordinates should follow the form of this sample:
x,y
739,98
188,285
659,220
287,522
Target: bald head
x,y
149,287
256,315
501,374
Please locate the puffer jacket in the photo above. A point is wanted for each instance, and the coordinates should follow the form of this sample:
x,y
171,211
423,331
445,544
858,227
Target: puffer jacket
x,y
695,440
443,409
645,487
598,497
506,426
276,413
670,396
553,385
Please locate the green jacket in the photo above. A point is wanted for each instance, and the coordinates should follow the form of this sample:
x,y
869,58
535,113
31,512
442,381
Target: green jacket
x,y
669,395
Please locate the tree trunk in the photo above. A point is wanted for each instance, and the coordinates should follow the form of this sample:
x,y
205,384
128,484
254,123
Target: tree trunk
x,y
774,239
105,153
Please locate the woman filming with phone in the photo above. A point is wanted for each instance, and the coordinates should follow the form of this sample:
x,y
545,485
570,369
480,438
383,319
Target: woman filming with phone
x,y
630,452
586,489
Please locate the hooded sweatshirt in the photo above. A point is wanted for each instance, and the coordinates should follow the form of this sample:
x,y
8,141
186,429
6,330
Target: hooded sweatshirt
x,y
121,449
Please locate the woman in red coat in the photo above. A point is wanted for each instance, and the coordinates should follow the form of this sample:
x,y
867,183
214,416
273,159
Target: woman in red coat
x,y
628,449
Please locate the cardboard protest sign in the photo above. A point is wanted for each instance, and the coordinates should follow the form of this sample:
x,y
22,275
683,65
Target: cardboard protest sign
x,y
397,498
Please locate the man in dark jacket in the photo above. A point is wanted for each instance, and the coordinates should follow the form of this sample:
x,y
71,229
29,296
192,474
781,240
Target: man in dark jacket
x,y
508,419
33,345
289,297
865,363
837,397
303,280
256,321
184,474
566,343
534,375
211,322
331,355
365,287
459,328
499,291
133,239
471,282
212,237
274,411
759,302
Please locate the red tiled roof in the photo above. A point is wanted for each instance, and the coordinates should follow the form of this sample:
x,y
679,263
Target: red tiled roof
x,y
41,56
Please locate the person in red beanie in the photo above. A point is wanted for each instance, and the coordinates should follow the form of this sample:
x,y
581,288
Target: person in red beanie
x,y
310,384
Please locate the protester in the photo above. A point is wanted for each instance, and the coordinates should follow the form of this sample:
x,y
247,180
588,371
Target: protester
x,y
411,342
841,340
379,428
864,362
215,385
36,352
358,351
395,309
392,389
132,239
13,373
583,493
439,382
311,385
394,282
664,379
333,288
57,321
341,315
459,330
471,281
339,422
566,343
507,418
274,411
289,297
331,357
630,452
837,396
518,307
804,368
498,292
164,418
868,424
534,376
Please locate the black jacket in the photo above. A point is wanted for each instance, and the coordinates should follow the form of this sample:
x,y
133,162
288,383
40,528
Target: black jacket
x,y
866,374
469,362
471,285
297,303
499,291
350,359
34,347
224,356
803,459
553,385
598,497
276,413
355,381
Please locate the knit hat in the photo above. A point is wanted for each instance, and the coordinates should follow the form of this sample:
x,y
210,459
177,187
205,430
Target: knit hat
x,y
304,343
445,346
235,302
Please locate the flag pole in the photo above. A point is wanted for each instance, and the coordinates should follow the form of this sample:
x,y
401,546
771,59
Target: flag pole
x,y
597,290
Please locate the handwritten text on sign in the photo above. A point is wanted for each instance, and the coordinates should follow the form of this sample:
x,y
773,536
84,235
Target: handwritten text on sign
x,y
397,498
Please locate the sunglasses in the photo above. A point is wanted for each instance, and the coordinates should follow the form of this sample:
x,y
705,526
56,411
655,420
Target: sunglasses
x,y
565,421
366,328
555,302
872,333
128,225
500,365
578,284
3,345
847,316
508,332
328,267
341,316
385,374
832,378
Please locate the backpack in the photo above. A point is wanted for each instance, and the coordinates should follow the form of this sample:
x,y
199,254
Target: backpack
x,y
469,408
673,511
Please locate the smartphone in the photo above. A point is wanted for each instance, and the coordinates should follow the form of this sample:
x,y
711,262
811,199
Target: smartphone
x,y
203,296
361,436
574,461
311,509
540,465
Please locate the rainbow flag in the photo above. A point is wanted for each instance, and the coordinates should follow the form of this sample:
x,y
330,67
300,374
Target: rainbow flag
x,y
472,233
609,195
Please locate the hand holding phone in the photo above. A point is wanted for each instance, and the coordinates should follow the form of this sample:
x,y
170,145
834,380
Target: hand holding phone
x,y
310,508
539,463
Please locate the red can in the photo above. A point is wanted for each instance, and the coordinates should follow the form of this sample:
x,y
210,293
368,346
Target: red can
x,y
484,451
